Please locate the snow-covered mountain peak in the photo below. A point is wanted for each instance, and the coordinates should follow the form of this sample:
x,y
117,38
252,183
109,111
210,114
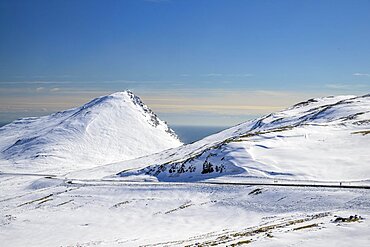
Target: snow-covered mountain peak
x,y
107,129
118,102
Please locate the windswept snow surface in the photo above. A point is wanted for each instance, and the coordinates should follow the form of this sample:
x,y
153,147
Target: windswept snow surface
x,y
324,139
108,129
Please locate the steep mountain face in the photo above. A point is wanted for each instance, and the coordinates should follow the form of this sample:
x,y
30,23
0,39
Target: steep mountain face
x,y
108,129
326,139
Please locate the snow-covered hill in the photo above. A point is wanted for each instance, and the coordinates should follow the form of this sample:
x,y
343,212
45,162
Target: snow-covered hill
x,y
325,139
108,129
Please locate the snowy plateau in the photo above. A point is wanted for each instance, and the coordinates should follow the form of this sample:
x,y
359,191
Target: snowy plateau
x,y
111,173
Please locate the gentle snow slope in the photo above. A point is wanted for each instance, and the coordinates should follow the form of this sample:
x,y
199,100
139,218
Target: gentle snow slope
x,y
108,129
49,212
324,139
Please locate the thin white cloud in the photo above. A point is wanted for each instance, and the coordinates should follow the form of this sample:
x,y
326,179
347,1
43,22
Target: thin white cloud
x,y
40,89
361,74
41,76
227,75
135,81
345,86
212,75
55,89
240,75
36,82
84,82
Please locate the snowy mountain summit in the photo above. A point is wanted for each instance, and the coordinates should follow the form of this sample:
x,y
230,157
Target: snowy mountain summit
x,y
108,129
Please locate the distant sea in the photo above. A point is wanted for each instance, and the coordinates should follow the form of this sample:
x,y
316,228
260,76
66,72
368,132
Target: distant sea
x,y
187,134
3,123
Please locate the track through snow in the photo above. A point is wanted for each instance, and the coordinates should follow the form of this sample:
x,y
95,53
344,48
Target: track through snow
x,y
255,182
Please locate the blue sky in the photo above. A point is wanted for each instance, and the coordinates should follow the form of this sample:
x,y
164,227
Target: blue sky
x,y
214,62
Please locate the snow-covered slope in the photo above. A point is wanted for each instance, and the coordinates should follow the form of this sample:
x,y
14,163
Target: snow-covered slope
x,y
319,139
52,212
326,139
108,129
